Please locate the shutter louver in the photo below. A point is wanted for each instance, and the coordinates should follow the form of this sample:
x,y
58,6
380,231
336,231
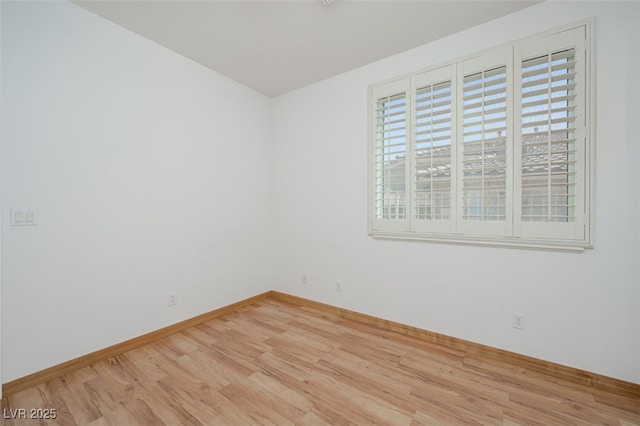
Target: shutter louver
x,y
432,151
484,149
549,138
390,157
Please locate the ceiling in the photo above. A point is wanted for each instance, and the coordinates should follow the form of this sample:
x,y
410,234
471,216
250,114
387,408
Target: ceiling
x,y
278,46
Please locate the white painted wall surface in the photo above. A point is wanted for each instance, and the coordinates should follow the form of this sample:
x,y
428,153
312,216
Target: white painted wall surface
x,y
581,309
1,215
149,172
636,89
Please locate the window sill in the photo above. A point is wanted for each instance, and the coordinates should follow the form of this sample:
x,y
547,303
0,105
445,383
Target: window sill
x,y
516,243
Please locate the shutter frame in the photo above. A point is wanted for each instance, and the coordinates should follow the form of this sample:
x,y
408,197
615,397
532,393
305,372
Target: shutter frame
x,y
434,213
388,208
477,204
540,223
571,106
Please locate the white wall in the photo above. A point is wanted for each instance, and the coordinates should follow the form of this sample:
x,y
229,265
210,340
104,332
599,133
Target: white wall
x,y
635,114
1,215
581,309
150,174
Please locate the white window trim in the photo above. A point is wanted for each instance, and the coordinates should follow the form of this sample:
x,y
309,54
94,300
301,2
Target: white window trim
x,y
402,229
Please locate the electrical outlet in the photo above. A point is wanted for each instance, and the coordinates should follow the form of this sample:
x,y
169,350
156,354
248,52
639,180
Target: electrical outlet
x,y
304,280
172,299
518,321
338,285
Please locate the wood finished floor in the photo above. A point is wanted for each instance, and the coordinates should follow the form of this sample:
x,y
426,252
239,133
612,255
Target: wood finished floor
x,y
276,364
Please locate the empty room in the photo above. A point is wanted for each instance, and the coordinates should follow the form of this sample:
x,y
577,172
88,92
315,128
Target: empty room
x,y
320,212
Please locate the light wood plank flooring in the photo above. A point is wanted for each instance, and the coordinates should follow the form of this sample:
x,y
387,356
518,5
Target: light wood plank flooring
x,y
273,363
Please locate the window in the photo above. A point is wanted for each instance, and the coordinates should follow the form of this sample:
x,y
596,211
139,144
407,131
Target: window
x,y
490,149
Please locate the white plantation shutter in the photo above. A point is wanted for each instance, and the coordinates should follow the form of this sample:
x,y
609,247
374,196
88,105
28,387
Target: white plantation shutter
x,y
433,157
389,156
490,149
551,138
484,178
548,137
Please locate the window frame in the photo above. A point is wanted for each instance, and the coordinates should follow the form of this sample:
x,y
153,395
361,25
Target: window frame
x,y
489,233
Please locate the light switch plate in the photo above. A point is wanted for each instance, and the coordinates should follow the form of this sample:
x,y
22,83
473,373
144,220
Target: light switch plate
x,y
24,217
